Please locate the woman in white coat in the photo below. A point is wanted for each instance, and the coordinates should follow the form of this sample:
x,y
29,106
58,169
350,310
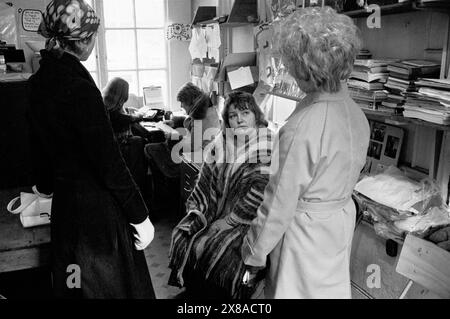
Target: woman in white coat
x,y
306,221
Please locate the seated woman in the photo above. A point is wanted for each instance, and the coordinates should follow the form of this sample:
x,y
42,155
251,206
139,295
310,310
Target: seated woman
x,y
115,95
206,244
202,117
163,157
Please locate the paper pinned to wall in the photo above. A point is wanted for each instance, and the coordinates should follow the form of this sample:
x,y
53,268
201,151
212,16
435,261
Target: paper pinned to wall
x,y
240,77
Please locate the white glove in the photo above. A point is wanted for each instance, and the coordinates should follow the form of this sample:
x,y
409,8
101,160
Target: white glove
x,y
144,234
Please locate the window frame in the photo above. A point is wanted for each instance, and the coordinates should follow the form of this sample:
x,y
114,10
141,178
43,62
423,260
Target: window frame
x,y
100,50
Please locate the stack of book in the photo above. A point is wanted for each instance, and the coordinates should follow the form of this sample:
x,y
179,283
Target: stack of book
x,y
431,102
366,82
402,76
396,88
364,54
410,70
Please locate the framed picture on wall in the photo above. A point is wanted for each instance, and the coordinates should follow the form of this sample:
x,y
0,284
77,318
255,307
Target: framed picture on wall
x,y
384,146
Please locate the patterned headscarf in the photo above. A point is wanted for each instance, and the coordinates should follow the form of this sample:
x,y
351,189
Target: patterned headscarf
x,y
69,20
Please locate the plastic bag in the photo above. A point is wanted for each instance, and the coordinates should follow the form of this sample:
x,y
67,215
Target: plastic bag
x,y
8,27
422,211
394,189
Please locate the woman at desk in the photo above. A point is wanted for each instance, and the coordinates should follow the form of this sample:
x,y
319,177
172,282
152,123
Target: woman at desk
x,y
115,95
202,117
202,122
100,223
163,157
205,248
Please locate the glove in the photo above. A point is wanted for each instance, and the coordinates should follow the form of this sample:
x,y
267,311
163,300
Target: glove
x,y
144,233
441,238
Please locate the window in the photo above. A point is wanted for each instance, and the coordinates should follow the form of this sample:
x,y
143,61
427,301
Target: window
x,y
132,38
91,63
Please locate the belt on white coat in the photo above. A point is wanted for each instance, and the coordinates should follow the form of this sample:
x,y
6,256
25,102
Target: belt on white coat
x,y
321,207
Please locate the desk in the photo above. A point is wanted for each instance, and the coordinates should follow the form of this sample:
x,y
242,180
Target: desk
x,y
21,248
160,126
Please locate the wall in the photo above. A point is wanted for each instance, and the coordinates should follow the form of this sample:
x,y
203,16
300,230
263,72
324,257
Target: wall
x,y
242,39
179,58
418,35
24,36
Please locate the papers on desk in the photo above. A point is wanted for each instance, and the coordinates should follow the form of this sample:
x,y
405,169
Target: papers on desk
x,y
168,131
14,77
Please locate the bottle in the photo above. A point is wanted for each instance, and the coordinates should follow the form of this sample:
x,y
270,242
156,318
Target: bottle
x,y
2,64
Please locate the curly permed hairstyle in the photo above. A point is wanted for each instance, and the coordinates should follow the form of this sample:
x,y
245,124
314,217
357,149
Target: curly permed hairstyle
x,y
318,46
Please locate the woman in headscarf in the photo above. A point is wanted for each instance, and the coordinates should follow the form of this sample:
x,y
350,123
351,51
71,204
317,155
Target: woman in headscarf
x,y
100,223
307,218
205,250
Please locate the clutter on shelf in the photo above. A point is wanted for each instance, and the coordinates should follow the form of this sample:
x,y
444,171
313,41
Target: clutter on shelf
x,y
398,205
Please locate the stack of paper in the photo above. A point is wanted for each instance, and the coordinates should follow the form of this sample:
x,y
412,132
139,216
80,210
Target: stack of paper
x,y
431,102
366,82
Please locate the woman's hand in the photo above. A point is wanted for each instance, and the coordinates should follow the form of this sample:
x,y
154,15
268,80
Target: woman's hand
x,y
251,275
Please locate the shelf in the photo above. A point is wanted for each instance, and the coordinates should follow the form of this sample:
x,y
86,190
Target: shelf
x,y
402,7
293,98
237,24
400,120
382,116
395,8
220,20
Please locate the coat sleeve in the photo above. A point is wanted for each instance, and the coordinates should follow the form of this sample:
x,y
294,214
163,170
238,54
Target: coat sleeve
x,y
296,154
103,154
42,160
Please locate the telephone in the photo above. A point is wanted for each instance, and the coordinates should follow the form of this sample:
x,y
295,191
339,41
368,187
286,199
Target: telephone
x,y
154,115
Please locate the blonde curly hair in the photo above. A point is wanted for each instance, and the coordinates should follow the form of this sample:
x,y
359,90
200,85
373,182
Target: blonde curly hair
x,y
318,46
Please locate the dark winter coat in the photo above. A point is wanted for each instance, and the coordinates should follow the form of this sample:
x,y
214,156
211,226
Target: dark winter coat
x,y
94,196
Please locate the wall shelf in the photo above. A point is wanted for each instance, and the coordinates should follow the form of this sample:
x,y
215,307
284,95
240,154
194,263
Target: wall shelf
x,y
401,7
237,24
289,97
388,118
397,8
401,120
